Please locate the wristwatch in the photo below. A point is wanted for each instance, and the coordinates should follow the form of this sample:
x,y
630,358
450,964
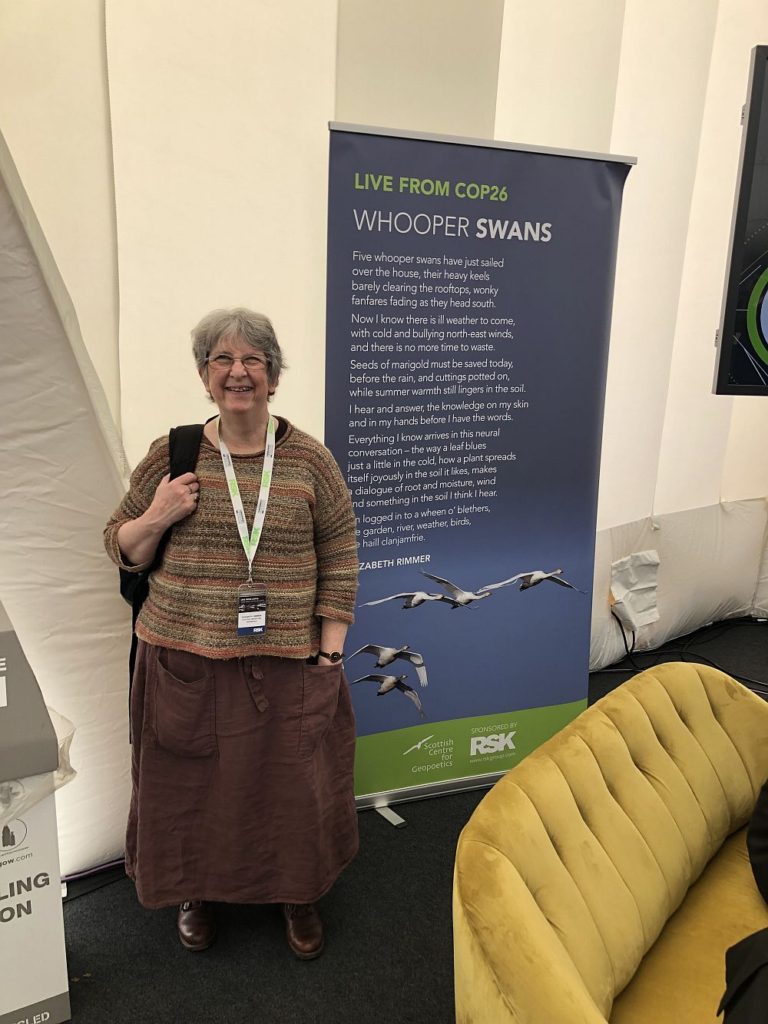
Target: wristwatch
x,y
334,656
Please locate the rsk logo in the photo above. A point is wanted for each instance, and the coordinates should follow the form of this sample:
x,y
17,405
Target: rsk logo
x,y
494,743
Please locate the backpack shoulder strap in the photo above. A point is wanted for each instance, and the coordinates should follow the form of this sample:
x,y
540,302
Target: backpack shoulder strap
x,y
183,448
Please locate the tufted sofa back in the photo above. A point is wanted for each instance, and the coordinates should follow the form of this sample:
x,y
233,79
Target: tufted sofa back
x,y
571,865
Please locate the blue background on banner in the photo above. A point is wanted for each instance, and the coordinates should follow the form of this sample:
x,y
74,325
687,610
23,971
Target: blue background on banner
x,y
511,650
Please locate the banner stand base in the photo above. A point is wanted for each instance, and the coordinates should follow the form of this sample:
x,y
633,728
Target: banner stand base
x,y
383,801
390,816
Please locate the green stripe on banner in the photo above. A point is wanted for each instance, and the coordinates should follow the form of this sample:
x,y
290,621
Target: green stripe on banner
x,y
753,319
456,749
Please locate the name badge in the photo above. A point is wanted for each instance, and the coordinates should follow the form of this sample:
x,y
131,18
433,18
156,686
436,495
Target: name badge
x,y
252,610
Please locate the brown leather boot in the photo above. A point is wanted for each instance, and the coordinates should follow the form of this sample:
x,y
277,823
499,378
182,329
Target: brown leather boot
x,y
304,930
196,925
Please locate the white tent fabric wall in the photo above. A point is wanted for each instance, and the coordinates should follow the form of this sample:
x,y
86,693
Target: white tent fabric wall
x,y
710,569
664,134
220,146
444,80
569,83
760,606
54,114
60,477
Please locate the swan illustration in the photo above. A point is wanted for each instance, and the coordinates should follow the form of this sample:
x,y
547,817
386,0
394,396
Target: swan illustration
x,y
460,597
537,576
389,683
411,599
386,655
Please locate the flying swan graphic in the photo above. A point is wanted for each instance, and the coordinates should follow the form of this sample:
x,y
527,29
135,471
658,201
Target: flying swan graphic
x,y
457,597
389,683
537,576
386,655
461,598
411,599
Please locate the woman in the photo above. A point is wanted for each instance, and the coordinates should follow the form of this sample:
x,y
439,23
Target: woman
x,y
243,731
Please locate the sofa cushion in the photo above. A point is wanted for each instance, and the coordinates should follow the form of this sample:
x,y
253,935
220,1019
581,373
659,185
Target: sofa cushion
x,y
683,976
577,858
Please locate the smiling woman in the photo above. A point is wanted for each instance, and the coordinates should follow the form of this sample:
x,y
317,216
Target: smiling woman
x,y
239,697
237,353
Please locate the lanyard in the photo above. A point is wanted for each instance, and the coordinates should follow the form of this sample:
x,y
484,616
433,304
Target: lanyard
x,y
250,544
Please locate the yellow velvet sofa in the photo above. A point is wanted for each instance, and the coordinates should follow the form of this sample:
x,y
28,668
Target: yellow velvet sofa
x,y
603,878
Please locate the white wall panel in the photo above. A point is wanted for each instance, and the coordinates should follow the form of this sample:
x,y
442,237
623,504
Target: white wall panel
x,y
745,469
709,570
662,81
710,562
760,606
606,644
55,118
557,73
429,66
219,122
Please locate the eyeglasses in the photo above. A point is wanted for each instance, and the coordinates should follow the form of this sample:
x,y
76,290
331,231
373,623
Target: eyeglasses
x,y
224,361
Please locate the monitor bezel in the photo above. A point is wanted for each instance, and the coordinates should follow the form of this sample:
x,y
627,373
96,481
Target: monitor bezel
x,y
752,119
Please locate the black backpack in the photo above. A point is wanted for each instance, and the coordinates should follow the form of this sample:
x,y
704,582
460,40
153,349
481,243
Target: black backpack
x,y
183,449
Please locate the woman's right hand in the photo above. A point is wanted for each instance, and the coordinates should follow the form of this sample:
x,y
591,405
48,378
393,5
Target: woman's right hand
x,y
174,499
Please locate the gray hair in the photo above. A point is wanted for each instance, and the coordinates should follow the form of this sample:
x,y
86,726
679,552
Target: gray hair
x,y
254,329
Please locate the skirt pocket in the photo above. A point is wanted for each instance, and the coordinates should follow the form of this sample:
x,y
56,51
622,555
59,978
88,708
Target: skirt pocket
x,y
320,699
185,707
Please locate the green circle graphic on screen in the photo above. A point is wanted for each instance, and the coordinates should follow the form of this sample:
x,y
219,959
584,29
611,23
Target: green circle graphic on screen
x,y
757,317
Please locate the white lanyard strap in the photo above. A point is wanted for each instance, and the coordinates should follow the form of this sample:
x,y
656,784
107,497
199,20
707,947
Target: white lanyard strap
x,y
250,544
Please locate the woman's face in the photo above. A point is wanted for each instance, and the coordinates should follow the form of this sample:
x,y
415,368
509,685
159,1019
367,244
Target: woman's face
x,y
233,385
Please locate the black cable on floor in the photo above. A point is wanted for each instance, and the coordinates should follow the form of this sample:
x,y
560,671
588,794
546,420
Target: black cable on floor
x,y
627,648
721,628
686,651
94,888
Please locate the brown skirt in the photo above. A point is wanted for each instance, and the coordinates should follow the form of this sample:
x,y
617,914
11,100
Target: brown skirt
x,y
242,779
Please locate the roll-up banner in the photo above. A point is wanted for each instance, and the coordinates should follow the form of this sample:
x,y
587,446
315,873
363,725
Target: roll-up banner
x,y
469,304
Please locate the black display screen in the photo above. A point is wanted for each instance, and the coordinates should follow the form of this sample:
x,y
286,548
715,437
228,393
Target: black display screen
x,y
742,364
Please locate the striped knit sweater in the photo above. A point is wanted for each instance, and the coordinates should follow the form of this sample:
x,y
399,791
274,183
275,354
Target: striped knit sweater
x,y
307,556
